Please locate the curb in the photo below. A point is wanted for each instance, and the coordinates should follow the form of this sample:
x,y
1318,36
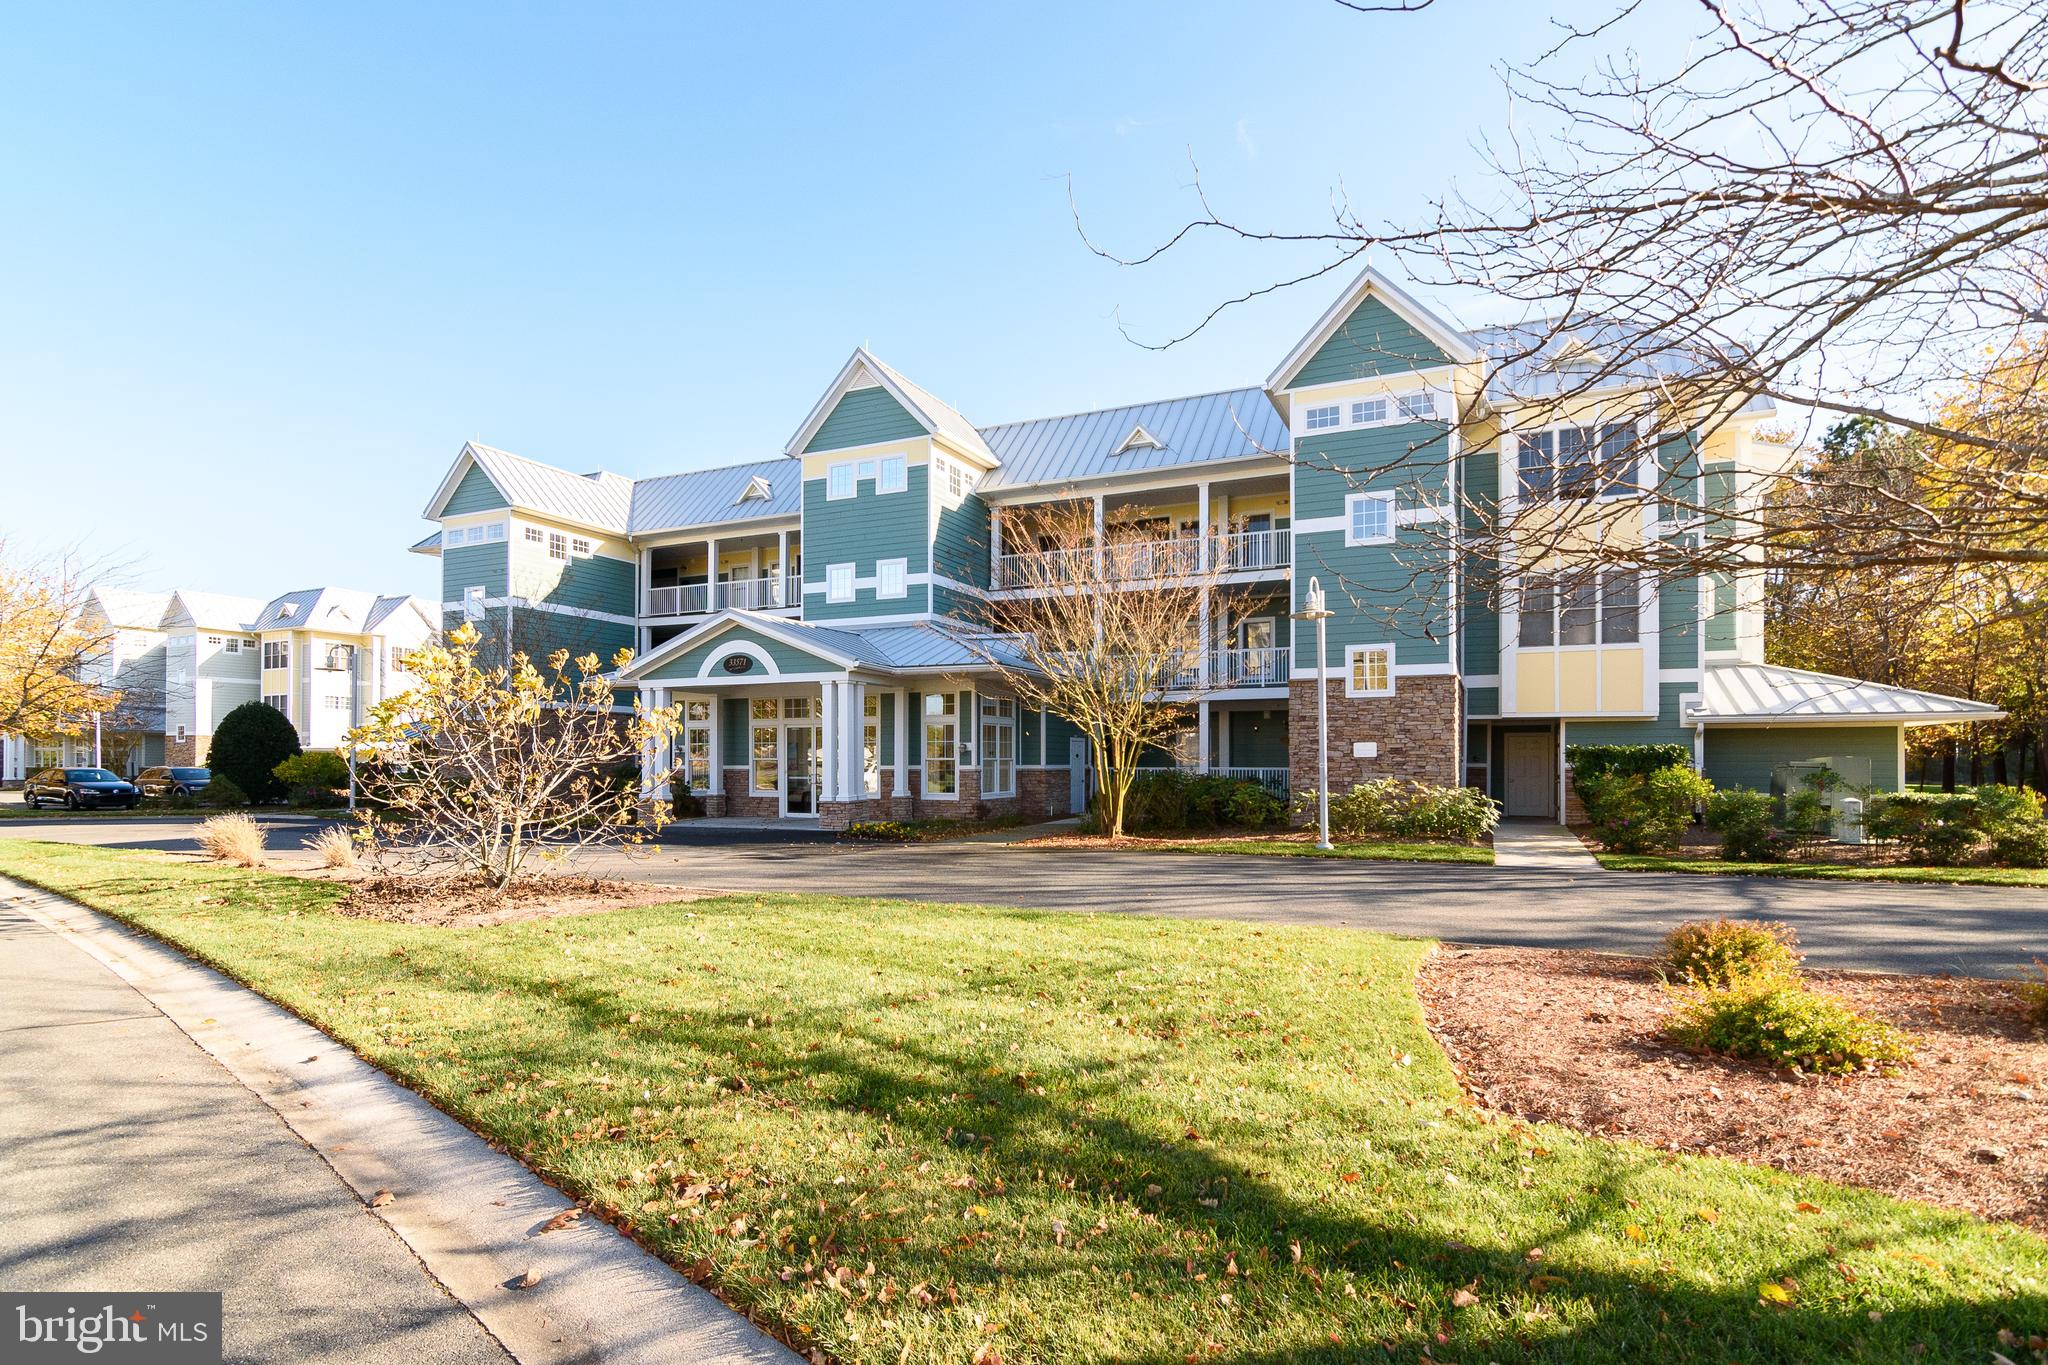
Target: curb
x,y
470,1212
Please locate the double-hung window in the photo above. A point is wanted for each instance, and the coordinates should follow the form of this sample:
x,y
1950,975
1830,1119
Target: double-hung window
x,y
1323,418
839,481
697,721
1605,610
839,582
941,744
891,578
1416,406
998,746
1576,462
894,475
278,702
276,654
1369,671
1369,519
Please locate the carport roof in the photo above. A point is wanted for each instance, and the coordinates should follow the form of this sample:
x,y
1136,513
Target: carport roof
x,y
1771,693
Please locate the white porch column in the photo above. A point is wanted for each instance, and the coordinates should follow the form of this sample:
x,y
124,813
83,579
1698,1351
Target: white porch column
x,y
901,768
1098,533
650,757
715,780
1202,528
646,582
828,739
1202,723
711,602
780,590
856,731
995,546
1206,628
666,697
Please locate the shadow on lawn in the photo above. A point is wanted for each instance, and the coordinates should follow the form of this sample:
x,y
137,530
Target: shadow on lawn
x,y
934,1094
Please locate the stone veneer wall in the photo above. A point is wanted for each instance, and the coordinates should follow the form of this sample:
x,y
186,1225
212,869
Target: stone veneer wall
x,y
1416,729
189,752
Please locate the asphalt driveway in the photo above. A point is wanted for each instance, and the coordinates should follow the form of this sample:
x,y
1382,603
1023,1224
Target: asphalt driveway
x,y
1872,926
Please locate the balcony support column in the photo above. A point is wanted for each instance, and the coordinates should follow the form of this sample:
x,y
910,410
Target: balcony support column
x,y
1206,629
779,593
711,602
995,546
1099,545
1202,724
1205,550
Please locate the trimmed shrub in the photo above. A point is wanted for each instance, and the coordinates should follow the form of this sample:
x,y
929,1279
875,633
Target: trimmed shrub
x,y
1391,807
2011,818
315,768
335,848
2021,846
1169,800
1743,820
1638,812
1629,760
882,831
1938,828
1775,1020
2035,996
222,793
249,743
233,839
1720,952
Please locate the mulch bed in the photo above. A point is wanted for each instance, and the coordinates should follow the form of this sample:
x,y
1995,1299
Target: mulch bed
x,y
1573,1038
467,901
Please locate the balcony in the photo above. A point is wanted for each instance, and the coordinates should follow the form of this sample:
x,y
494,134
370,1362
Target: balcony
x,y
1264,667
767,593
1240,552
1274,780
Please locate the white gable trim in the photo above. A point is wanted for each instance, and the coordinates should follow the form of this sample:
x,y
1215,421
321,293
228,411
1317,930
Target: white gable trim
x,y
728,619
860,364
1370,283
1140,439
464,462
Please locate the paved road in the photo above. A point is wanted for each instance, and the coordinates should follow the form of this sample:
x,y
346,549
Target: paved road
x,y
1873,926
130,1160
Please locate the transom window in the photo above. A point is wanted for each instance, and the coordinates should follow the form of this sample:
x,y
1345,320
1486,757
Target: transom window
x,y
1369,671
533,534
1576,462
579,547
1369,518
1319,419
1367,410
1590,611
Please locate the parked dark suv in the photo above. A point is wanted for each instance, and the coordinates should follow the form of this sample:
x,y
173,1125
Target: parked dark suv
x,y
173,781
78,788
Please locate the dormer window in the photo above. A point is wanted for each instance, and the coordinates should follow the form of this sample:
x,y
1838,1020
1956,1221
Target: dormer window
x,y
1140,439
757,490
288,609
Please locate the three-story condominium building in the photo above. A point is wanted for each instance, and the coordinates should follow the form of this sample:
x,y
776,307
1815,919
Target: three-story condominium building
x,y
809,609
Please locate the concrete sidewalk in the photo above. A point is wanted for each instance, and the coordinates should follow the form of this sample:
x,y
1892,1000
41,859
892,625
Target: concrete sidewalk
x,y
1539,844
166,1128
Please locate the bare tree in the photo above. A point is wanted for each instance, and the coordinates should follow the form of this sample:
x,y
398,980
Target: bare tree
x,y
486,767
1106,633
1838,206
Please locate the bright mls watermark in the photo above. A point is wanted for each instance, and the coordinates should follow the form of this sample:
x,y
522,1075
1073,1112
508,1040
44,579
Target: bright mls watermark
x,y
165,1329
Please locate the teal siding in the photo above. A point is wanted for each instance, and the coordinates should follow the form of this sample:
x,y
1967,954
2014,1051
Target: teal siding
x,y
538,634
1678,624
594,584
863,417
1720,626
1482,701
1373,340
961,606
1745,757
1258,739
787,658
961,547
1480,600
1395,593
1059,736
481,566
732,738
474,493
860,530
1666,728
887,722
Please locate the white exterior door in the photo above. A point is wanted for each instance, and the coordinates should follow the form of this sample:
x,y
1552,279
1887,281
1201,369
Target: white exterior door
x,y
1531,774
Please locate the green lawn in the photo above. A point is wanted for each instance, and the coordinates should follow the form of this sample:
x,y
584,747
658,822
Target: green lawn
x,y
1387,850
1834,872
910,1132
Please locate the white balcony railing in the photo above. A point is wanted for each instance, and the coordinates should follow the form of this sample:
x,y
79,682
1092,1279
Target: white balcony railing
x,y
1240,552
1264,667
748,594
1274,780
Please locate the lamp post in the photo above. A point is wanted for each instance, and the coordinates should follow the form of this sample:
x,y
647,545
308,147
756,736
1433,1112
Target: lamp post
x,y
1314,609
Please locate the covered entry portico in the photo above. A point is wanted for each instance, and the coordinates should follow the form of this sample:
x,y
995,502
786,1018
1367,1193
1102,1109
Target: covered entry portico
x,y
785,720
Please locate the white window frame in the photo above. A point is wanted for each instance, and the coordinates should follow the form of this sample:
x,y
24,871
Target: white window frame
x,y
998,733
892,474
1352,655
495,531
839,582
1419,406
284,653
839,482
280,702
892,579
949,722
579,547
558,545
533,534
1358,412
871,744
473,603
1352,506
1323,417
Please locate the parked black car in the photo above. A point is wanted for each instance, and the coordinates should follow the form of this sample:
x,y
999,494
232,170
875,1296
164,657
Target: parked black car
x,y
78,788
173,781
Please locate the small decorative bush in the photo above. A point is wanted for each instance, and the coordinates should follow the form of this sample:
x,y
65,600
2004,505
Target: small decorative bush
x,y
1391,807
222,793
882,831
2035,996
1743,820
1938,828
1627,760
1720,952
2021,846
1168,800
233,839
1253,807
319,770
249,743
1639,812
334,846
2011,818
1775,1020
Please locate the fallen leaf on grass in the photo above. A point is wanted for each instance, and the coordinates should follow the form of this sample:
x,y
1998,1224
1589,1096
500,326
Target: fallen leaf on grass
x,y
1464,1298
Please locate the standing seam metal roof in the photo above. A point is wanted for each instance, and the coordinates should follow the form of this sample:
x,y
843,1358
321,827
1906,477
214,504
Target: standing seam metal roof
x,y
706,497
601,499
1049,451
1773,692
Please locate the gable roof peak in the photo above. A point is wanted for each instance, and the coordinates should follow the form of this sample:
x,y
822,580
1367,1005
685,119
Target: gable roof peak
x,y
937,417
1371,283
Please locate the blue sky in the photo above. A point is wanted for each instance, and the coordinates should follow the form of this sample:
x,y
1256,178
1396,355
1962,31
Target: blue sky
x,y
263,269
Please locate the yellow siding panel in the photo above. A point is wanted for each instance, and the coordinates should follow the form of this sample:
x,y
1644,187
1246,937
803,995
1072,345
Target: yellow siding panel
x,y
1578,674
1535,682
1621,680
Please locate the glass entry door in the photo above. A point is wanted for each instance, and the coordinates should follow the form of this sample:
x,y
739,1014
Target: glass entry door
x,y
800,770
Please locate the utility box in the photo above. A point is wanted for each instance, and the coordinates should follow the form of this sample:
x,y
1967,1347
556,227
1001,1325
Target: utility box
x,y
1848,811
